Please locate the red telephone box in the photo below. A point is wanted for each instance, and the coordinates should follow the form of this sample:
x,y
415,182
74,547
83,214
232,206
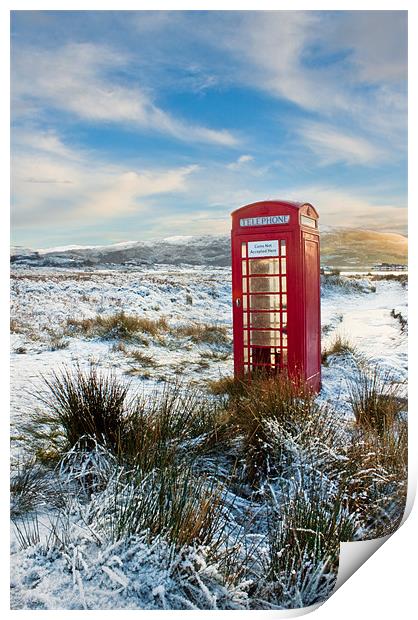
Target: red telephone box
x,y
276,290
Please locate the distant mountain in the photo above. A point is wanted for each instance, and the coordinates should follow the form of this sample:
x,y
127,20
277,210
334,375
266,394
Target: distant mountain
x,y
342,248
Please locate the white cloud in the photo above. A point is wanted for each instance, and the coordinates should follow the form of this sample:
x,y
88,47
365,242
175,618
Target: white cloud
x,y
121,194
346,65
332,145
52,184
270,46
240,162
76,78
378,43
347,208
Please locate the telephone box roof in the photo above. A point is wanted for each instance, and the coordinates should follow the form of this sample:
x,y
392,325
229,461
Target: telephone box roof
x,y
284,203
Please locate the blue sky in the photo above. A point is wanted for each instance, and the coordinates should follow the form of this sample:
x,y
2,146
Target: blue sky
x,y
140,125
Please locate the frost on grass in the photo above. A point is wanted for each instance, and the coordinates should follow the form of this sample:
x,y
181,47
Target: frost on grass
x,y
181,501
153,501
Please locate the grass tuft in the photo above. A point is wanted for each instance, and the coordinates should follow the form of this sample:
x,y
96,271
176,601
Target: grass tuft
x,y
339,346
27,487
256,406
375,397
79,404
203,333
119,325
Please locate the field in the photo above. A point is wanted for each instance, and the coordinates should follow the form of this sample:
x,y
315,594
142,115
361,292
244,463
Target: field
x,y
272,479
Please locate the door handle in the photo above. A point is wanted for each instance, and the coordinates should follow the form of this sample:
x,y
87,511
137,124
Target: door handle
x,y
238,302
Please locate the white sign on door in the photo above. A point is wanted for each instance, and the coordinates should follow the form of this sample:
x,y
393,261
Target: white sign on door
x,y
257,249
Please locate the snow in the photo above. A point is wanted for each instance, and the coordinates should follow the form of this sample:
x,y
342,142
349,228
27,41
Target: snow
x,y
67,248
134,574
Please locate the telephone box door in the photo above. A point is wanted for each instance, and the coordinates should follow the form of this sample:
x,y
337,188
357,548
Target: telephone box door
x,y
260,268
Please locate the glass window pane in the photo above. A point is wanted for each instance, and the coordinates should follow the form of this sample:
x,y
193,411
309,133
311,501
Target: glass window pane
x,y
265,319
265,338
284,301
245,337
244,285
264,265
264,285
284,319
283,247
244,267
243,249
261,356
284,357
265,302
284,285
244,302
283,261
245,319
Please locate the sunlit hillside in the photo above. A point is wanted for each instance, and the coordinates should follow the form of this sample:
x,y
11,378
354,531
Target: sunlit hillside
x,y
362,248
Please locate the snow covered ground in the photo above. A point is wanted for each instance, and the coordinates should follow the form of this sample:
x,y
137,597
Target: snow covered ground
x,y
44,300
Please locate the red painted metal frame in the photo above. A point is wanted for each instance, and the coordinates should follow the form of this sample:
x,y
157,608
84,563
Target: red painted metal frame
x,y
302,289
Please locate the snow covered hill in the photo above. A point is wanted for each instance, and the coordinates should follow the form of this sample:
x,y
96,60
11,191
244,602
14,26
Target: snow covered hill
x,y
342,248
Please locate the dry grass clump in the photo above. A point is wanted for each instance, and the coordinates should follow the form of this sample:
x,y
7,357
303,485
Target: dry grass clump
x,y
27,487
230,386
79,405
86,407
170,425
306,526
346,284
118,325
377,478
137,456
202,332
142,358
376,398
264,401
377,463
340,346
173,503
16,327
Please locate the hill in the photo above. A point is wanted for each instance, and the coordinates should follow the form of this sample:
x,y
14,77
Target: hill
x,y
340,248
352,249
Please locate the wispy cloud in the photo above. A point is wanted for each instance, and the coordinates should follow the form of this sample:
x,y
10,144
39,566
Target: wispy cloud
x,y
240,162
332,145
82,79
350,207
51,184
